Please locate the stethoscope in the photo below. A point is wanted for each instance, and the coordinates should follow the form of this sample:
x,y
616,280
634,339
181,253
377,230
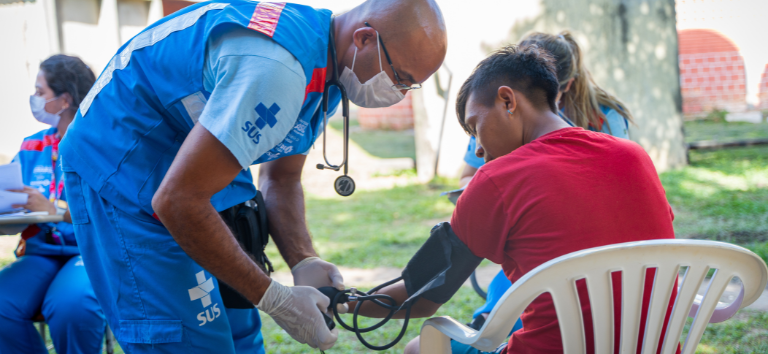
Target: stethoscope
x,y
344,185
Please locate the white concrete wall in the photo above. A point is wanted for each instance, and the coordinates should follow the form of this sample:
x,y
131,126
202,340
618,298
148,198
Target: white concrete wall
x,y
32,31
132,18
26,42
470,24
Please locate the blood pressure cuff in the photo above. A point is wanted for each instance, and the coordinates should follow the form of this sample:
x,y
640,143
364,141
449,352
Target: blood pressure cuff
x,y
249,224
440,267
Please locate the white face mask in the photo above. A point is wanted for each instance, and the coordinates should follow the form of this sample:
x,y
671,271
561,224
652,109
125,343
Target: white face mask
x,y
37,104
374,93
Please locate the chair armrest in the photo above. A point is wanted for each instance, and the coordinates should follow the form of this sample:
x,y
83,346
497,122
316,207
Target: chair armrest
x,y
723,311
437,332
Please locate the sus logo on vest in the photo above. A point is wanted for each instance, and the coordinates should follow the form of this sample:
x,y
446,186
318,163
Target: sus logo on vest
x,y
266,116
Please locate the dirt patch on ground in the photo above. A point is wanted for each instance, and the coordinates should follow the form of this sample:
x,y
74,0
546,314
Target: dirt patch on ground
x,y
369,172
7,247
371,277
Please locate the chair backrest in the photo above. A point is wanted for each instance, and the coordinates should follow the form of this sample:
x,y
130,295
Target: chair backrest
x,y
559,276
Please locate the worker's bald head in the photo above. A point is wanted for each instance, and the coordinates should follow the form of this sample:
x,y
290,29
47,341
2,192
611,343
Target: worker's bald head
x,y
413,32
415,20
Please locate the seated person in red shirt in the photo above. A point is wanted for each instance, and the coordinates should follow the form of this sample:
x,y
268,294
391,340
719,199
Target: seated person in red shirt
x,y
525,206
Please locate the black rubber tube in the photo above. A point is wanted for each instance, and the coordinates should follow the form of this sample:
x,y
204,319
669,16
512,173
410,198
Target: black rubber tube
x,y
375,298
476,286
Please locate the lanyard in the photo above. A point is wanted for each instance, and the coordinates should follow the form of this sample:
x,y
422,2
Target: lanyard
x,y
54,190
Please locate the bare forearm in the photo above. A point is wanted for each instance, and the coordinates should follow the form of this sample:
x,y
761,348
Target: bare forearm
x,y
421,308
287,224
204,236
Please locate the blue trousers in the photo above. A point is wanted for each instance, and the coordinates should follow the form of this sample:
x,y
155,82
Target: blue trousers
x,y
499,285
156,298
59,288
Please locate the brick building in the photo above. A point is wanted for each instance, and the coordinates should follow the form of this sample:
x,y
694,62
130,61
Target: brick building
x,y
397,117
763,90
712,74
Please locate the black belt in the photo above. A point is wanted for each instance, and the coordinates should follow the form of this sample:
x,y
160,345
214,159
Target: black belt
x,y
249,224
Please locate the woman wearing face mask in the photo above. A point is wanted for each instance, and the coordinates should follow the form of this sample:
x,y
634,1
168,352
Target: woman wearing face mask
x,y
48,276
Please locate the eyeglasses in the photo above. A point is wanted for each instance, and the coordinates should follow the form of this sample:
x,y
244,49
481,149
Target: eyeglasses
x,y
399,85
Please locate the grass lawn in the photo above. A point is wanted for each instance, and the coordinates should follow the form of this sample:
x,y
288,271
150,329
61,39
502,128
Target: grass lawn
x,y
747,332
374,228
381,143
721,195
723,131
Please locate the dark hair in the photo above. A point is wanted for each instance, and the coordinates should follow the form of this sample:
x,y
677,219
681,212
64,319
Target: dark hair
x,y
68,74
582,102
527,69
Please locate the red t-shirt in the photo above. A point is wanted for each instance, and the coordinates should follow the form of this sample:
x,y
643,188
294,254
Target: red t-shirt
x,y
566,191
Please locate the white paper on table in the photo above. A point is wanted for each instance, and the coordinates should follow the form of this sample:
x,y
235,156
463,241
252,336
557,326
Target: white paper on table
x,y
10,177
8,199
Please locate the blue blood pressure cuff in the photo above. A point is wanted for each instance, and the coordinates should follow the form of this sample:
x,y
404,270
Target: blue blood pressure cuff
x,y
440,266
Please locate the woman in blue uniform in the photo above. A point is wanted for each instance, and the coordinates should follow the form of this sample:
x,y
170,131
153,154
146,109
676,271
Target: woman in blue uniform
x,y
48,277
582,103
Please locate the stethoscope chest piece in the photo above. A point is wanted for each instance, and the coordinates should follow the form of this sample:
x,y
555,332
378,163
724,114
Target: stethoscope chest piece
x,y
344,185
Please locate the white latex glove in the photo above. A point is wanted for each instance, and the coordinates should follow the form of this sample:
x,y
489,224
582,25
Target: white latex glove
x,y
299,311
317,273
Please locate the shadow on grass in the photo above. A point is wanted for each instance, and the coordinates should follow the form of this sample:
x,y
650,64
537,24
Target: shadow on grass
x,y
373,228
722,195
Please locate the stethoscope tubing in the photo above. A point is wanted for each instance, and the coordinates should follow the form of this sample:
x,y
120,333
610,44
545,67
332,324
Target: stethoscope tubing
x,y
344,108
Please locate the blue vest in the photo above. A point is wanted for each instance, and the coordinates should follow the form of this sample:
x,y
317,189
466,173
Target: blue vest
x,y
132,123
38,171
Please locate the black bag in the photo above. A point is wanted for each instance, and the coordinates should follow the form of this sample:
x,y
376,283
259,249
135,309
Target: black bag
x,y
249,225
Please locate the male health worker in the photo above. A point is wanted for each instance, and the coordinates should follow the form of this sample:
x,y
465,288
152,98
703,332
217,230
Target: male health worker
x,y
163,142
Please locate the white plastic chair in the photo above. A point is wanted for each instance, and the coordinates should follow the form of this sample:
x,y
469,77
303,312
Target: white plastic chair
x,y
558,277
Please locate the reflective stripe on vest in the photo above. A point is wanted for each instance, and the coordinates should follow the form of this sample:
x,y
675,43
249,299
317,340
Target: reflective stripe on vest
x,y
143,40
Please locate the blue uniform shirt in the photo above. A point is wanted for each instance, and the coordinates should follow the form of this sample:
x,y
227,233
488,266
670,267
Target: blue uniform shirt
x,y
251,73
40,172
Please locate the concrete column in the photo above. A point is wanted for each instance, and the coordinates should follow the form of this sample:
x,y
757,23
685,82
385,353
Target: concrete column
x,y
425,153
52,22
155,11
109,27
